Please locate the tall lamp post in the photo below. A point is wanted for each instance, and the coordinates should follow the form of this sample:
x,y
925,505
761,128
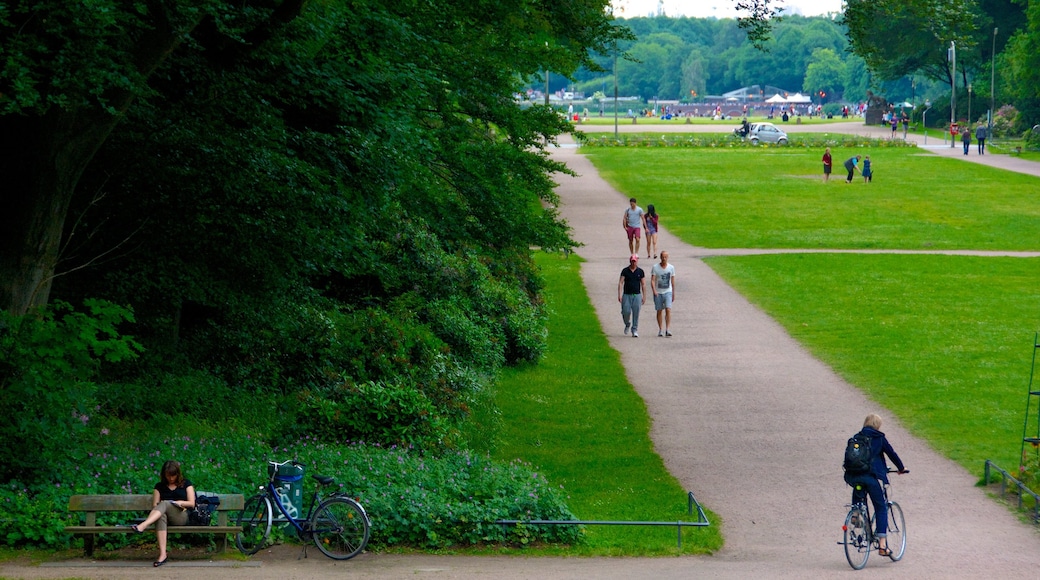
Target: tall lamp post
x,y
952,57
992,83
969,106
615,90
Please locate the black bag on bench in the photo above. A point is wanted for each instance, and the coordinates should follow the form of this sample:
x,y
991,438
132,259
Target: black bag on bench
x,y
202,513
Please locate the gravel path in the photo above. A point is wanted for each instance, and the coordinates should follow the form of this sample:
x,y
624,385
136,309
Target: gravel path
x,y
742,415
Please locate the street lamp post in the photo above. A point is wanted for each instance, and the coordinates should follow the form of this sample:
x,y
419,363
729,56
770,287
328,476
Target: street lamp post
x,y
615,92
969,105
952,57
924,119
992,82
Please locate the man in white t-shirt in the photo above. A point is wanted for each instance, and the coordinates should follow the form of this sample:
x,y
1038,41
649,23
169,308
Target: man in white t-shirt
x,y
632,221
662,282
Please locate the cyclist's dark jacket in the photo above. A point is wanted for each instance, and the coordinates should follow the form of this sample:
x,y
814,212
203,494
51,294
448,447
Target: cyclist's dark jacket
x,y
879,447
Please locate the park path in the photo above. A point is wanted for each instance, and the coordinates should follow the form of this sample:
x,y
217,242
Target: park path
x,y
755,426
742,415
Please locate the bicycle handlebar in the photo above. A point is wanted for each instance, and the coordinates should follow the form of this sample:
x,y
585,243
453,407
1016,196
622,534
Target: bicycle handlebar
x,y
292,461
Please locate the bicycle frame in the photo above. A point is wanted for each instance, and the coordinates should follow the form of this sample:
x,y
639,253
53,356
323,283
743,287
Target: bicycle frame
x,y
272,492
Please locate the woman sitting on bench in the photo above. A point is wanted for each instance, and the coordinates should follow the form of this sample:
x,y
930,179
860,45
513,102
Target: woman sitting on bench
x,y
171,500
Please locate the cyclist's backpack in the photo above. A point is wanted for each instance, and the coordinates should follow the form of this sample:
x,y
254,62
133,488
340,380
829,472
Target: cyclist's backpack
x,y
857,455
202,513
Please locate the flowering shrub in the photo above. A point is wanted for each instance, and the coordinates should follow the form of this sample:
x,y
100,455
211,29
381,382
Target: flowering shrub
x,y
1005,121
716,140
413,499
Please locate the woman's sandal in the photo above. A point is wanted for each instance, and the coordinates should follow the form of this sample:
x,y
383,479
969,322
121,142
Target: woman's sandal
x,y
884,552
136,529
158,563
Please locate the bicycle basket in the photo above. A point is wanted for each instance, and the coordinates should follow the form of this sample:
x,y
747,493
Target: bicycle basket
x,y
288,473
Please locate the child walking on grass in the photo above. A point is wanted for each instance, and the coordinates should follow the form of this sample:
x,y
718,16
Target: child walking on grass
x,y
867,172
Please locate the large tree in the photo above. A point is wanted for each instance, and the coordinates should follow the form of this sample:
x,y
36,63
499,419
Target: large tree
x,y
897,38
73,69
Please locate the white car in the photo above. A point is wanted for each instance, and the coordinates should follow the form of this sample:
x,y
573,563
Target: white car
x,y
767,133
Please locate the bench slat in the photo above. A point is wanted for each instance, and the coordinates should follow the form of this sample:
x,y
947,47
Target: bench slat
x,y
171,529
139,502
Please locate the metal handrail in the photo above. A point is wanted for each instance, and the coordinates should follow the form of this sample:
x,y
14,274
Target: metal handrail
x,y
702,521
1023,490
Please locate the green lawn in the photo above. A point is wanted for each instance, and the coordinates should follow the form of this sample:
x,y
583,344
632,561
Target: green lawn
x,y
943,342
775,198
577,418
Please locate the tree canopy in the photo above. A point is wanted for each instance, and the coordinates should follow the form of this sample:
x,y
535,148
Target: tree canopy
x,y
336,199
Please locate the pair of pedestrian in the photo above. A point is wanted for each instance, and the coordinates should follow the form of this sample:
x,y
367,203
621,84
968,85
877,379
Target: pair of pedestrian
x,y
633,220
632,294
980,136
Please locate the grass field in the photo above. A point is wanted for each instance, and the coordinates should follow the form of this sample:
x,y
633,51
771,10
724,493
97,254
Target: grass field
x,y
944,342
775,198
577,418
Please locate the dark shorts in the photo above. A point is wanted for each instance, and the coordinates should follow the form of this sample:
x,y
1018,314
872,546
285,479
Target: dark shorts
x,y
827,169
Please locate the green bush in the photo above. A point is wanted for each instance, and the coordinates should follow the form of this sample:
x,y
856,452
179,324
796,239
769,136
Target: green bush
x,y
372,411
413,499
48,361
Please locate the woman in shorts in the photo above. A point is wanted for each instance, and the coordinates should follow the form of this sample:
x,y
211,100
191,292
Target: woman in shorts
x,y
651,230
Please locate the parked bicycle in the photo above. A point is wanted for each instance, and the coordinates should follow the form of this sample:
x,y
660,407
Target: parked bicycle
x,y
338,525
859,538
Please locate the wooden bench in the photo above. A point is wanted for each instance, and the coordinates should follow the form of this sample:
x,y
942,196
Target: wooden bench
x,y
91,505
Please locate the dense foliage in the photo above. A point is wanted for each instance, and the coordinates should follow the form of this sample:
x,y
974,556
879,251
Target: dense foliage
x,y
416,500
329,203
671,57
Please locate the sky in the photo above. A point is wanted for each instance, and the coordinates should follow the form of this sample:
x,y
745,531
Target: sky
x,y
717,8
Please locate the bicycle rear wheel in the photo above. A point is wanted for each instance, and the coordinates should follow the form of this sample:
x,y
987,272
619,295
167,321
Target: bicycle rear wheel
x,y
857,538
255,520
341,528
896,532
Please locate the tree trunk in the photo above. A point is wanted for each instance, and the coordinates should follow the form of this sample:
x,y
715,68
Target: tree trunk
x,y
47,155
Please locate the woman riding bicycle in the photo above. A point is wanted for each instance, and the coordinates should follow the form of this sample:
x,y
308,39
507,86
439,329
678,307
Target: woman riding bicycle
x,y
868,482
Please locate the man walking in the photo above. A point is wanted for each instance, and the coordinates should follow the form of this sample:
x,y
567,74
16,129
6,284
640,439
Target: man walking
x,y
632,221
632,294
980,136
662,282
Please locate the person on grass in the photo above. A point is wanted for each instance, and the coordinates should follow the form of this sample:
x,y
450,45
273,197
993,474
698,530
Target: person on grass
x,y
850,165
870,483
828,163
172,497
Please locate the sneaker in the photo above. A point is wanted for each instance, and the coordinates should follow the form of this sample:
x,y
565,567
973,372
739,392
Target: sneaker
x,y
626,330
668,333
635,334
660,333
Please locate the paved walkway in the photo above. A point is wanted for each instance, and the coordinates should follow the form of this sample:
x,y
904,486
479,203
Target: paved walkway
x,y
746,419
754,425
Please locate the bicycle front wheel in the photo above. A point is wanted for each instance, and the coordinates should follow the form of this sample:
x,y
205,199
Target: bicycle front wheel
x,y
341,528
255,520
896,532
857,538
